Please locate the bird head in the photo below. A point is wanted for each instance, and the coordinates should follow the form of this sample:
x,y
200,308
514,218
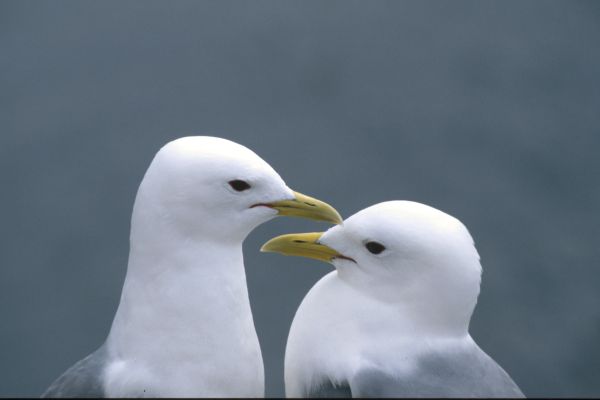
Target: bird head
x,y
213,187
399,252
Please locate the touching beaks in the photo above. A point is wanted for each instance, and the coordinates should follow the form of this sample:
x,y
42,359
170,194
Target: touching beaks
x,y
305,207
302,245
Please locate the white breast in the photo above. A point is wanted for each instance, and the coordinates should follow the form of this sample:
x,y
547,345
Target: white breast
x,y
186,330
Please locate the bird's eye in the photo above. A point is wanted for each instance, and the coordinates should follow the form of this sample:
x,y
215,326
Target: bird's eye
x,y
239,185
375,247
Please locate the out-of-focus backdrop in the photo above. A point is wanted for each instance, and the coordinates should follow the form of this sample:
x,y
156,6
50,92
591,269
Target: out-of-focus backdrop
x,y
489,111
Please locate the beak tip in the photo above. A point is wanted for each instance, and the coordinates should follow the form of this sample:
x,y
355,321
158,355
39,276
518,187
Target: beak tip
x,y
338,219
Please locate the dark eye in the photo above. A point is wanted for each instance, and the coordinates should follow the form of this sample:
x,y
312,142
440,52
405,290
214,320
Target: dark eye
x,y
239,185
375,247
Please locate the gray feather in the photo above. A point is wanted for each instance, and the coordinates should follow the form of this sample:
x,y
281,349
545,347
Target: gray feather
x,y
327,389
84,379
466,374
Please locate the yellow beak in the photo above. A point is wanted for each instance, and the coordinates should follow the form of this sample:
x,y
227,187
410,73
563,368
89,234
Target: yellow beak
x,y
306,207
303,245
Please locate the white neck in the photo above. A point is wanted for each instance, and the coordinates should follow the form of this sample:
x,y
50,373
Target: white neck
x,y
184,324
432,305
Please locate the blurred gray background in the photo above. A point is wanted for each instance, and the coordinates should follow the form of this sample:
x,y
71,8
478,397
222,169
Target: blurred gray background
x,y
486,110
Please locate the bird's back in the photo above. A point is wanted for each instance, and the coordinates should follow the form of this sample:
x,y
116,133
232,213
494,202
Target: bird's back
x,y
84,379
465,373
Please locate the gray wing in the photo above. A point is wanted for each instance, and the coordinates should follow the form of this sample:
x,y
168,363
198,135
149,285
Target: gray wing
x,y
84,379
328,389
466,374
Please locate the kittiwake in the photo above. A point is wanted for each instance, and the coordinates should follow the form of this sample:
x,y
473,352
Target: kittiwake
x,y
184,327
392,320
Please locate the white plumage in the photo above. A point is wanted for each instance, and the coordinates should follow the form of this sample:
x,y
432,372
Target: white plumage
x,y
184,327
393,318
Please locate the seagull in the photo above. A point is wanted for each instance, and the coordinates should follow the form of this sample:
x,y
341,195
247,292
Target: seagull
x,y
392,320
184,327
